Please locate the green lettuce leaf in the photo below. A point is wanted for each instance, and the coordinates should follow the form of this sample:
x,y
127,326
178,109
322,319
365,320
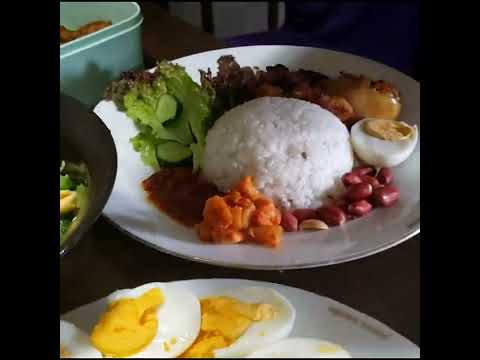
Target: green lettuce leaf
x,y
197,151
146,144
196,101
141,104
166,106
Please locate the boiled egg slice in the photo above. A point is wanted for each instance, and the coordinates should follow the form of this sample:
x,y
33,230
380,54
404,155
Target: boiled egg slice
x,y
239,321
156,320
380,142
74,343
301,348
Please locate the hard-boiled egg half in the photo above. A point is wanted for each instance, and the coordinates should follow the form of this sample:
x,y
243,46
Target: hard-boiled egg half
x,y
301,348
74,343
156,320
240,321
380,142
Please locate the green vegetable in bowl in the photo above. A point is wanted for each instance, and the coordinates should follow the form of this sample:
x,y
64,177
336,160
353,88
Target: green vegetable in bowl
x,y
66,183
170,110
64,226
73,195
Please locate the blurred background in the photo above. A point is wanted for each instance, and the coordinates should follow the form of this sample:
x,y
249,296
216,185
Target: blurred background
x,y
229,19
385,32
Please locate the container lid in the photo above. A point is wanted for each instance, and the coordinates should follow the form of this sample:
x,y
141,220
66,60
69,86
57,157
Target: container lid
x,y
123,15
99,42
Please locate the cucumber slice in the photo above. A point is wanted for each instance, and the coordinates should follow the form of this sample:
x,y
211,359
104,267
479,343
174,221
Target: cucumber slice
x,y
173,152
166,108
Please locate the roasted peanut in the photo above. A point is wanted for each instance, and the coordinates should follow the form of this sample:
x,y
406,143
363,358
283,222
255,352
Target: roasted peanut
x,y
341,203
360,208
364,170
371,180
385,176
331,215
303,214
313,224
289,222
359,191
386,196
350,179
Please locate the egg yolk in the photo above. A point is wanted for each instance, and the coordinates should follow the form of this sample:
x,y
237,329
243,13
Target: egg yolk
x,y
328,348
64,353
128,325
388,129
224,320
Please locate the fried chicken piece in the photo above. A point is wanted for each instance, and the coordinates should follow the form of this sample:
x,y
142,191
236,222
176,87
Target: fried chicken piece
x,y
268,90
93,27
67,35
339,106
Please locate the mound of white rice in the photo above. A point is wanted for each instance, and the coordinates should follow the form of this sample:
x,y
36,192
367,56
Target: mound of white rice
x,y
295,151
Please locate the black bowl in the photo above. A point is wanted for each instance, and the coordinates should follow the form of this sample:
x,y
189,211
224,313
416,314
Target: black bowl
x,y
85,139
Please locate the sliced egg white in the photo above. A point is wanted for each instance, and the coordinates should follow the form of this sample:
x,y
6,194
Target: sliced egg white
x,y
301,348
262,332
179,319
75,342
378,152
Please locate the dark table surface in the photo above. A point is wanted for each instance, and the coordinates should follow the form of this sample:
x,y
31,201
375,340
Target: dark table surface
x,y
385,286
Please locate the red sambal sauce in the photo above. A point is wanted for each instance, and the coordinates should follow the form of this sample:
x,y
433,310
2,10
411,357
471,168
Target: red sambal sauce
x,y
179,193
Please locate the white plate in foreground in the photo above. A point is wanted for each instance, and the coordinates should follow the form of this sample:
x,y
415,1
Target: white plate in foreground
x,y
380,230
317,317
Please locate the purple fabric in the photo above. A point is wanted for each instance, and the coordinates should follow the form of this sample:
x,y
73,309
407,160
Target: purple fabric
x,y
388,33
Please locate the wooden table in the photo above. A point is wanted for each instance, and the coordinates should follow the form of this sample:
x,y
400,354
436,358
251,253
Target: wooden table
x,y
385,286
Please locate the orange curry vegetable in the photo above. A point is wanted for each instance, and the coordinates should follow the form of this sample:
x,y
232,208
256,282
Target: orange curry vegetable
x,y
243,214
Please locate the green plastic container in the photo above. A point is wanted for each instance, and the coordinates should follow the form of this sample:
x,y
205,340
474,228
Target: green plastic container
x,y
89,63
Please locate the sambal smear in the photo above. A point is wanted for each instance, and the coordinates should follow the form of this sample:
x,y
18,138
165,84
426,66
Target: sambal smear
x,y
244,214
180,193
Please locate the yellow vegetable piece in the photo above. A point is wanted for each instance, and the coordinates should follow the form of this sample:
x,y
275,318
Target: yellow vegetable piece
x,y
68,201
65,193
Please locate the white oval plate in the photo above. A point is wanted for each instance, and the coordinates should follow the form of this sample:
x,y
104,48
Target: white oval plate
x,y
380,230
317,317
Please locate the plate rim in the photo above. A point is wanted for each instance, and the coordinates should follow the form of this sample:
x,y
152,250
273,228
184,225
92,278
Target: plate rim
x,y
230,265
339,260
